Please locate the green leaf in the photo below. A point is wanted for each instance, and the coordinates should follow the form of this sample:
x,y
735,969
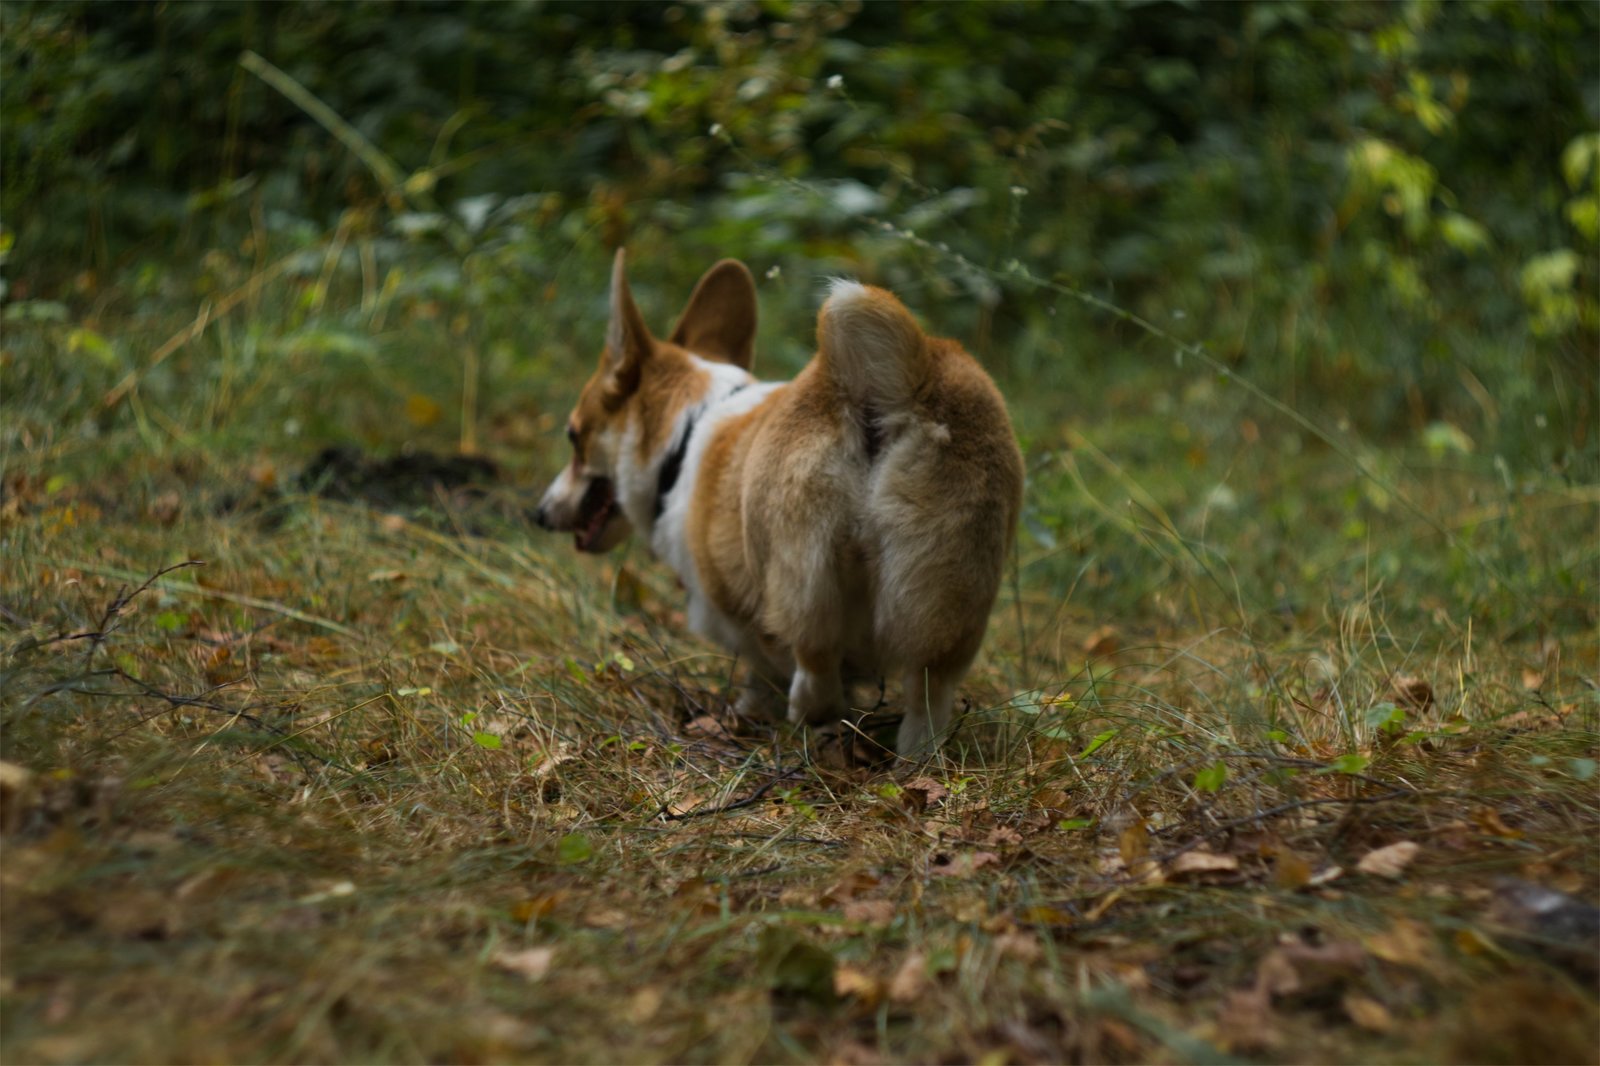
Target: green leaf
x,y
1075,823
1212,777
1441,438
1096,744
1582,769
1385,716
1347,764
576,671
573,848
486,740
171,620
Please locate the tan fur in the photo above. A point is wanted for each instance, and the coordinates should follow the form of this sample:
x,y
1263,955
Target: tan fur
x,y
855,521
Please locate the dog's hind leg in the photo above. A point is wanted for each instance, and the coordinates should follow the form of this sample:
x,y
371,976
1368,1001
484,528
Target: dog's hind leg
x,y
929,693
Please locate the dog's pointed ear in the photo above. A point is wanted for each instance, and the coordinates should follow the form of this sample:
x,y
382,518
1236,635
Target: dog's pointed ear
x,y
628,341
720,321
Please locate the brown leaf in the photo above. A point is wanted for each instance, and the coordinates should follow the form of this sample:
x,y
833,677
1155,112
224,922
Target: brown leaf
x,y
961,863
18,793
851,983
526,910
1198,863
1102,643
1133,843
1488,819
920,793
1276,976
1245,1024
1290,871
910,979
1368,1013
1024,947
853,884
1412,692
1390,861
1003,836
644,1004
1405,943
873,912
1044,914
528,963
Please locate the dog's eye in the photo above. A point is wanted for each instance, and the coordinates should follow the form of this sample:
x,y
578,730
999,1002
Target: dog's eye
x,y
572,435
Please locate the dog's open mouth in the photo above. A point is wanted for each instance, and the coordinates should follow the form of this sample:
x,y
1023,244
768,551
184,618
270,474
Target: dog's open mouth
x,y
595,511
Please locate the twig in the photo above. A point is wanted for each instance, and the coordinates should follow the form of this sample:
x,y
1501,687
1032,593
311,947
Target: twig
x,y
229,597
748,801
108,619
1284,808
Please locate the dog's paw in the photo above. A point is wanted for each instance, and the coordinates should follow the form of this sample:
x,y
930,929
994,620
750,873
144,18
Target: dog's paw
x,y
760,702
815,699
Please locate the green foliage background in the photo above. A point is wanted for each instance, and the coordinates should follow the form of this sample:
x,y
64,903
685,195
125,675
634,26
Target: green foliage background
x,y
1384,214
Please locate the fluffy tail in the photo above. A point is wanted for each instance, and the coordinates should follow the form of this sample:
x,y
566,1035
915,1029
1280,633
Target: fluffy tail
x,y
871,347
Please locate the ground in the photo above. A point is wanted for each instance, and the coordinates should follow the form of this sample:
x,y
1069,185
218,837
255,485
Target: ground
x,y
1279,750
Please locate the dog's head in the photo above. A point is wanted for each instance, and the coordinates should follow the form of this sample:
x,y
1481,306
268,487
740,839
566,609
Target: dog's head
x,y
624,415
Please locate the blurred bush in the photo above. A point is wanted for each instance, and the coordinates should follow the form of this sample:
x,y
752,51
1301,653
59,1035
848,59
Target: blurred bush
x,y
1391,207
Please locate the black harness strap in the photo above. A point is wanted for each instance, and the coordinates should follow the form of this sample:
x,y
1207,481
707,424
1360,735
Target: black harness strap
x,y
672,465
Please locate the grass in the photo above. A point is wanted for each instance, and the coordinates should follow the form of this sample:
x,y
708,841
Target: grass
x,y
412,782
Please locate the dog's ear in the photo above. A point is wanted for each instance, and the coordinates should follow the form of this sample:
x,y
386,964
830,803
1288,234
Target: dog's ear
x,y
720,321
628,341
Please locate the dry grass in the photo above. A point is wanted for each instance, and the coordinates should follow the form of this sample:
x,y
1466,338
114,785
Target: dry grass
x,y
366,787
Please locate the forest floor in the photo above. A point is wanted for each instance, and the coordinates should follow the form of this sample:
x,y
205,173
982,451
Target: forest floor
x,y
333,757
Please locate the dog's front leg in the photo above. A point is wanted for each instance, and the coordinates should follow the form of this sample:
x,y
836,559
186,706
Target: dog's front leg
x,y
764,679
816,694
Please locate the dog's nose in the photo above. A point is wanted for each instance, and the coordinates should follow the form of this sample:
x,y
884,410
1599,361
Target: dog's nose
x,y
541,518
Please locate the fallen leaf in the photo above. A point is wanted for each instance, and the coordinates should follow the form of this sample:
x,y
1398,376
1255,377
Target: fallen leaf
x,y
421,410
1390,861
920,793
1368,1013
1197,863
910,979
1095,913
1044,914
707,726
1488,819
1290,871
644,1004
1133,843
527,910
961,864
873,912
1412,692
1470,941
1276,976
1102,643
852,885
1245,1024
529,963
1003,836
1406,942
1024,947
851,983
17,793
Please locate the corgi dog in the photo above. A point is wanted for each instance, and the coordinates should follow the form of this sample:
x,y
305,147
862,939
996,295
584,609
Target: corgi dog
x,y
849,524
